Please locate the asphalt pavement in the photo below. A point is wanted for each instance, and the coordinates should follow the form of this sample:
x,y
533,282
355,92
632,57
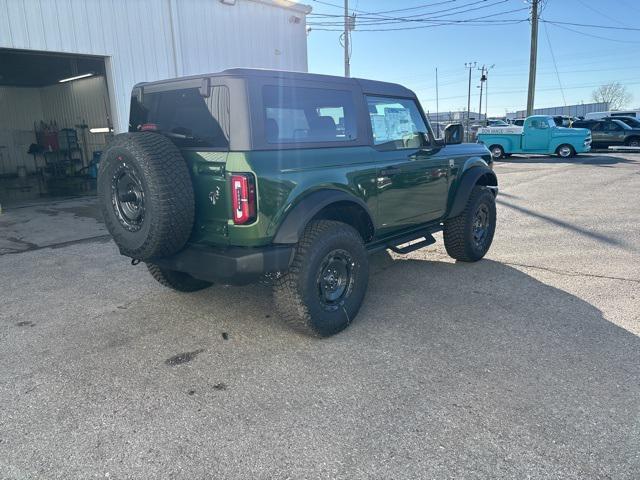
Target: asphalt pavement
x,y
523,365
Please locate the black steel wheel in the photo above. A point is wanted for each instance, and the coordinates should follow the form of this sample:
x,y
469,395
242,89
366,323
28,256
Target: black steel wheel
x,y
481,226
127,196
324,288
335,279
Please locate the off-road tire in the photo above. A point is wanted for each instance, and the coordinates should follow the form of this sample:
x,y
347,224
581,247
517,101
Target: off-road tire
x,y
297,293
164,185
458,231
180,281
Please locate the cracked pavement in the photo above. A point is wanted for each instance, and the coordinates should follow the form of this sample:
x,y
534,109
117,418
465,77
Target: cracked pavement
x,y
523,365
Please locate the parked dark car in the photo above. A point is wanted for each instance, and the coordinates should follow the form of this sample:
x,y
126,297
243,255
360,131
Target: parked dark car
x,y
631,121
610,132
584,123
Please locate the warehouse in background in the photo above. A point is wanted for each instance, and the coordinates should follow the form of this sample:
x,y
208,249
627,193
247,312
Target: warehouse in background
x,y
67,70
579,110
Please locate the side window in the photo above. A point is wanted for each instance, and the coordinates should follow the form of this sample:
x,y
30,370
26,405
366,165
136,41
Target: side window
x,y
190,119
396,123
308,115
539,123
613,127
596,127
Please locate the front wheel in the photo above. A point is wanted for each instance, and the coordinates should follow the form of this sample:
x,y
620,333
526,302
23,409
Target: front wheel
x,y
468,236
322,292
633,142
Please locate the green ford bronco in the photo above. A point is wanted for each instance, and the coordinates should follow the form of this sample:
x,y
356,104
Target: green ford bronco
x,y
249,174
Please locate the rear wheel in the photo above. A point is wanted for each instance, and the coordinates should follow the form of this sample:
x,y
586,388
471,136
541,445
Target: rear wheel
x,y
565,151
633,142
180,281
468,236
497,152
322,292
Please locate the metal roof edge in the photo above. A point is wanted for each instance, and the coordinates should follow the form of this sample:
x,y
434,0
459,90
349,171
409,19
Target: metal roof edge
x,y
287,4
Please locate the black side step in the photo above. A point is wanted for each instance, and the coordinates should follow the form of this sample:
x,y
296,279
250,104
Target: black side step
x,y
426,241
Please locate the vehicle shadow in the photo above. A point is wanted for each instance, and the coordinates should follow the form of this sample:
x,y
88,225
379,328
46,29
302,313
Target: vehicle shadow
x,y
593,235
537,364
582,159
479,368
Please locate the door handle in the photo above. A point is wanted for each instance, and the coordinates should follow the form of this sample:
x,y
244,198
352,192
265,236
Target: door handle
x,y
389,171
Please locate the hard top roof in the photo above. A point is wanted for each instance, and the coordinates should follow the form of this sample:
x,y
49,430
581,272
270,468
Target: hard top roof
x,y
368,86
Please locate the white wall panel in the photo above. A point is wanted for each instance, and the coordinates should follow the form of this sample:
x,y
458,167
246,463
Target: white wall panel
x,y
19,108
68,104
140,36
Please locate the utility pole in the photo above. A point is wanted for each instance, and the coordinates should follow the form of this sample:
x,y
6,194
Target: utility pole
x,y
533,59
347,67
482,80
485,78
486,98
437,107
470,66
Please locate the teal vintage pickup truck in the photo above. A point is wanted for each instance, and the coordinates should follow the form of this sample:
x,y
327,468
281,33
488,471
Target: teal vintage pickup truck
x,y
538,135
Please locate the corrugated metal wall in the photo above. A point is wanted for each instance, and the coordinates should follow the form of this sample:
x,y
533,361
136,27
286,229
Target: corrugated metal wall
x,y
579,110
146,40
68,104
19,107
83,102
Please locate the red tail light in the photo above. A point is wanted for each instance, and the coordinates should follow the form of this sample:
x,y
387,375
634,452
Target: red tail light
x,y
243,198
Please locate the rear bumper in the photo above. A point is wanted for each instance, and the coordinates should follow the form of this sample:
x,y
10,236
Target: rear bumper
x,y
232,265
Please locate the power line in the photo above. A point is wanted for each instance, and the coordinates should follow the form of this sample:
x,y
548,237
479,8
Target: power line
x,y
630,81
468,21
558,25
599,12
555,65
591,25
383,20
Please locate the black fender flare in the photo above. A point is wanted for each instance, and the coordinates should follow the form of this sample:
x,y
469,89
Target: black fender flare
x,y
469,180
294,223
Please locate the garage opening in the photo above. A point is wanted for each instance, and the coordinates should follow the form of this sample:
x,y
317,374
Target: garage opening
x,y
54,125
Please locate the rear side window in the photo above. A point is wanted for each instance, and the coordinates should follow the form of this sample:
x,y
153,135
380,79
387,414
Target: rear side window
x,y
190,119
396,123
308,115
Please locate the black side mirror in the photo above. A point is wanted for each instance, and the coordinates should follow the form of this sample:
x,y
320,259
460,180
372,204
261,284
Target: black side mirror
x,y
453,134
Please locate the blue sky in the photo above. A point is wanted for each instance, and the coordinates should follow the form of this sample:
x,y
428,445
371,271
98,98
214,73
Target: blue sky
x,y
411,56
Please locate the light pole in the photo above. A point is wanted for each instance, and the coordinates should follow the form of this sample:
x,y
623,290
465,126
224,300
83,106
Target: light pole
x,y
347,67
470,66
437,107
533,57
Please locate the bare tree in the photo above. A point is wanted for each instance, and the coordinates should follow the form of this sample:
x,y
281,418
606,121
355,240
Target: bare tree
x,y
615,94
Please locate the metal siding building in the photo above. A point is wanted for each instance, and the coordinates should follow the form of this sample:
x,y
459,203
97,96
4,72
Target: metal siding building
x,y
570,110
146,40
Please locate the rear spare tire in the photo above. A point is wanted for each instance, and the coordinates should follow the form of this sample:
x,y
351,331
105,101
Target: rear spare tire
x,y
146,195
